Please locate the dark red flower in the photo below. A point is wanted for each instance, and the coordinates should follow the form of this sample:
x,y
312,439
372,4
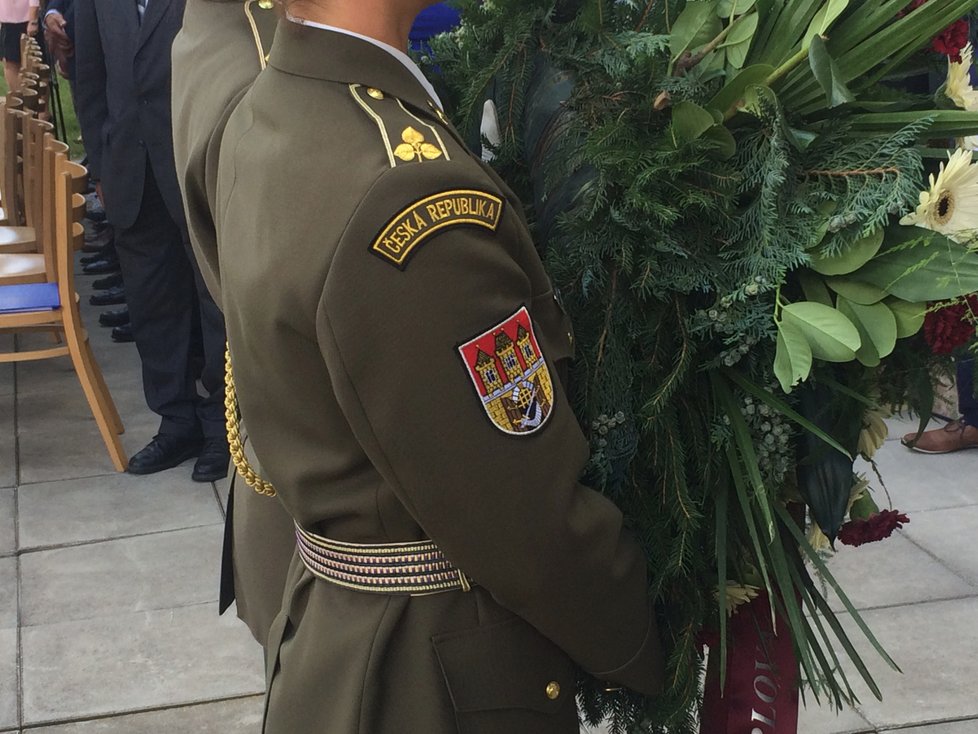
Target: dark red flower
x,y
873,528
951,41
951,327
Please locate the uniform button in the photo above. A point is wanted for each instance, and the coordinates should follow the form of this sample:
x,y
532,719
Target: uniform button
x,y
375,93
266,4
553,690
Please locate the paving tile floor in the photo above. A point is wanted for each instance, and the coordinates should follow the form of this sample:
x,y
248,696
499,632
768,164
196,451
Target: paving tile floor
x,y
108,582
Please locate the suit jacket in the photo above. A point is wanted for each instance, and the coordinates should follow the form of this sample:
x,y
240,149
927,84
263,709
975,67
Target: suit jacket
x,y
122,70
384,301
215,60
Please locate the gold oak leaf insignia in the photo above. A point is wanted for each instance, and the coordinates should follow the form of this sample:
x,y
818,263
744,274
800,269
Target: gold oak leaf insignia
x,y
414,147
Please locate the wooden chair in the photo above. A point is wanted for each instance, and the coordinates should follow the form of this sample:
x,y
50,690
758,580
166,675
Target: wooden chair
x,y
17,235
46,306
17,268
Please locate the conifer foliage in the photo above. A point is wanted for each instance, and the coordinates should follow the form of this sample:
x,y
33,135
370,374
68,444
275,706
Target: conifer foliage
x,y
715,186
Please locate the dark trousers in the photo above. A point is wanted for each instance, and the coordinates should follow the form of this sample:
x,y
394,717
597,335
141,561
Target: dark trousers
x,y
178,329
967,402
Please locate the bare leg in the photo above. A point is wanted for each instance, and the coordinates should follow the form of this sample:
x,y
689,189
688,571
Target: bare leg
x,y
11,73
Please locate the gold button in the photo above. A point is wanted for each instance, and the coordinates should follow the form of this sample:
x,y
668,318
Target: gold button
x,y
553,690
266,4
375,93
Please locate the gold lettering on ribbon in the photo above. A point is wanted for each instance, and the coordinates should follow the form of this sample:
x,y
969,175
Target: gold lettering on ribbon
x,y
407,231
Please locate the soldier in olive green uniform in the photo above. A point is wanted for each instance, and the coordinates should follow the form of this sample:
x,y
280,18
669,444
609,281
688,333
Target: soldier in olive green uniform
x,y
216,57
396,344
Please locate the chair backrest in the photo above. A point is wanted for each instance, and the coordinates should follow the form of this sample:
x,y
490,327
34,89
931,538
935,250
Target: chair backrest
x,y
33,174
51,148
70,181
13,192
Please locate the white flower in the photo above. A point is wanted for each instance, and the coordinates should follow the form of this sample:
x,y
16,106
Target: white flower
x,y
818,540
738,594
950,206
873,434
958,86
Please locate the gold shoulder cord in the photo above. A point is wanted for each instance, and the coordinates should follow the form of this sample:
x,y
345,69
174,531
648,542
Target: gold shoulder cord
x,y
265,5
241,463
238,457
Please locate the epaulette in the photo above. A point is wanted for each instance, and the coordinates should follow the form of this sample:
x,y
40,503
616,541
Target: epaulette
x,y
405,136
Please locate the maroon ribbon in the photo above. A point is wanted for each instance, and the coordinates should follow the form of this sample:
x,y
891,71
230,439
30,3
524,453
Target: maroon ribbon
x,y
761,693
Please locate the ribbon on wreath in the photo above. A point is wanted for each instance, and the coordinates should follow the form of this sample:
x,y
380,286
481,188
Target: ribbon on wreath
x,y
761,691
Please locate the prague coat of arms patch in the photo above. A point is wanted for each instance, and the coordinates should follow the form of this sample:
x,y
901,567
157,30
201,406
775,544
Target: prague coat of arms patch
x,y
510,375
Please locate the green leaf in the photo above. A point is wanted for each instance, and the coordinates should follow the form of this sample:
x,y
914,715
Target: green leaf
x,y
793,358
696,25
918,265
864,507
726,145
814,288
854,257
689,122
722,504
824,18
856,291
833,337
732,93
824,572
877,329
737,42
782,407
944,123
909,316
726,8
827,75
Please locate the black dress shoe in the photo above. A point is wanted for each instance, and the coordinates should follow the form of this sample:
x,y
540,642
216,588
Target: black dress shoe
x,y
101,267
109,281
111,297
115,318
213,461
164,452
89,259
123,334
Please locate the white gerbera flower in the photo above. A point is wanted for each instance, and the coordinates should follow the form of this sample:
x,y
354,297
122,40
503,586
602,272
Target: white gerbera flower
x,y
958,86
950,206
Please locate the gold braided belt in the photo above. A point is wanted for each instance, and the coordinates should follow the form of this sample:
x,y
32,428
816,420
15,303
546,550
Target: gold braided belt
x,y
417,568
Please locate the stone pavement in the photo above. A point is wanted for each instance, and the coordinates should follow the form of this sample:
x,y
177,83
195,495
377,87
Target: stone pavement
x,y
108,582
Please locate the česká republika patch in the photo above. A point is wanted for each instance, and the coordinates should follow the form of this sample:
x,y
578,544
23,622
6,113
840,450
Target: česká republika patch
x,y
510,375
406,232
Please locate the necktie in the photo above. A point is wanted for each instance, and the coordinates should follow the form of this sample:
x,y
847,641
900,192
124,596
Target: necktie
x,y
141,8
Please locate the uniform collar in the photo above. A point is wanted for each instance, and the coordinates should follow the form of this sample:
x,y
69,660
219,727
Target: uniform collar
x,y
334,54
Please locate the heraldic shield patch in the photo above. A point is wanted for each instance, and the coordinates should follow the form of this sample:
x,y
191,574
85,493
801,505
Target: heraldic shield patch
x,y
510,375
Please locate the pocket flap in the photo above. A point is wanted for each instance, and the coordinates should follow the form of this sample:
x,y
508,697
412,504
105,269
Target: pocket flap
x,y
508,665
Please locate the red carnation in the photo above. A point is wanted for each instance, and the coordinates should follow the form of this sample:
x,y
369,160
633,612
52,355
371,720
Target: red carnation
x,y
873,528
951,327
951,41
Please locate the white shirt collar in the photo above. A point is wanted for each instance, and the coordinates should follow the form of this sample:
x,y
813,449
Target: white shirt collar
x,y
396,53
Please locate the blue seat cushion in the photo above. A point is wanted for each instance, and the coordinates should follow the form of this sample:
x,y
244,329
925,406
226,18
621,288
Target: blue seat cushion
x,y
30,297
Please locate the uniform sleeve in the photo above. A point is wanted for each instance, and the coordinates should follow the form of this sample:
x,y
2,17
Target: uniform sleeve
x,y
505,507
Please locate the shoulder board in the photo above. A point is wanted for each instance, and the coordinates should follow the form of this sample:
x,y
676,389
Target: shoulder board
x,y
407,138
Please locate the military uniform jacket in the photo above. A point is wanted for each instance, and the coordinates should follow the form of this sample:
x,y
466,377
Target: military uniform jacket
x,y
217,55
395,341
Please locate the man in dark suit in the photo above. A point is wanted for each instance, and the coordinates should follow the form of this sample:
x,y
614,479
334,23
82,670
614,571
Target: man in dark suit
x,y
122,57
